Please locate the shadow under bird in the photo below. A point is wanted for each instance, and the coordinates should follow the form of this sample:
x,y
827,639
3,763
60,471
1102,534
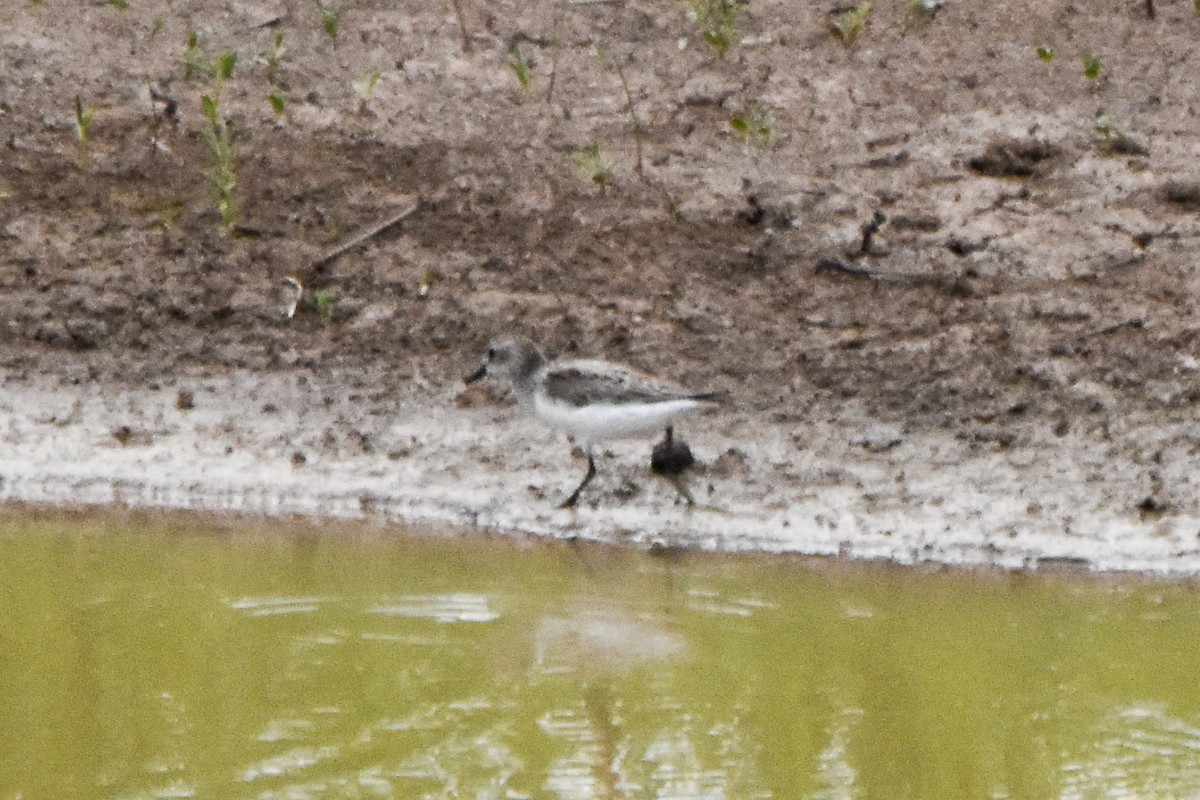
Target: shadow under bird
x,y
593,401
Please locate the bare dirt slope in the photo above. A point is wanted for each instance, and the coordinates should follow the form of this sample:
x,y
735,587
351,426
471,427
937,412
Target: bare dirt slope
x,y
1006,373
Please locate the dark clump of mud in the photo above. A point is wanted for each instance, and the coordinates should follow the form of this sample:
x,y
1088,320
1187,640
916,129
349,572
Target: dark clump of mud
x,y
1014,158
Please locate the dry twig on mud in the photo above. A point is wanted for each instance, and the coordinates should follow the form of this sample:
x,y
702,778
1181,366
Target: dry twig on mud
x,y
555,50
1136,323
827,265
462,25
869,229
365,236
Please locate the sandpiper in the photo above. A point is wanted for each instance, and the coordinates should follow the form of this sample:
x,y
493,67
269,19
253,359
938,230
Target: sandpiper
x,y
592,401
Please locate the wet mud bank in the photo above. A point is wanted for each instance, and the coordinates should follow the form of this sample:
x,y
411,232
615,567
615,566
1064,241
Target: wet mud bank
x,y
283,446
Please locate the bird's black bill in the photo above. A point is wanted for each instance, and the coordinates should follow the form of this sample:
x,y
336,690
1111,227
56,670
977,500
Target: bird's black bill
x,y
477,374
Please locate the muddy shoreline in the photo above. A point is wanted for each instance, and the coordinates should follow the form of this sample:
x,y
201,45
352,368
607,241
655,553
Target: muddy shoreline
x,y
858,490
1004,372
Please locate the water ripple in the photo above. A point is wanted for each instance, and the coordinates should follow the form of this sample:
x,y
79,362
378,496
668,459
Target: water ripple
x,y
288,763
276,606
444,608
1144,752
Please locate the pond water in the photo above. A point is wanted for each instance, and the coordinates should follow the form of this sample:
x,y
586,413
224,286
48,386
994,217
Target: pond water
x,y
184,659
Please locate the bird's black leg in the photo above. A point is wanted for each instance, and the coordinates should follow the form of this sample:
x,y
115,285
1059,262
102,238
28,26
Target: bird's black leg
x,y
591,473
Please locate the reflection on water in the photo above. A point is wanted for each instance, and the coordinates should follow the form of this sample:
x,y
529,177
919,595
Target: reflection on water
x,y
1138,752
183,661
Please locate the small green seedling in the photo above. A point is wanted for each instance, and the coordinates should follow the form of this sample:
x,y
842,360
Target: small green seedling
x,y
1108,129
1091,66
83,120
223,68
157,25
921,10
1046,53
717,20
220,174
597,166
1115,141
364,87
631,107
278,50
39,3
522,67
848,25
752,124
278,106
119,4
429,278
331,20
195,60
167,218
323,302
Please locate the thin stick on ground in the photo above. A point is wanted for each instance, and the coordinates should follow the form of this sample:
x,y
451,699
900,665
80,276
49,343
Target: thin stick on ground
x,y
836,265
637,122
462,25
556,47
363,237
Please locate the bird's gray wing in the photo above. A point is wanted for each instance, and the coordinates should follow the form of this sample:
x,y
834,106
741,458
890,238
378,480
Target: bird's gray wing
x,y
579,383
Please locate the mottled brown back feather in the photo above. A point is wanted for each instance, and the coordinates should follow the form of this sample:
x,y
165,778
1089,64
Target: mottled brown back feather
x,y
579,385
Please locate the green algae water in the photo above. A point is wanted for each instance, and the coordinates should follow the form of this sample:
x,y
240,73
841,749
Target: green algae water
x,y
186,660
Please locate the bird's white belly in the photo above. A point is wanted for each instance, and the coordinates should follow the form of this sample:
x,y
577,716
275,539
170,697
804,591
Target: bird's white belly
x,y
599,422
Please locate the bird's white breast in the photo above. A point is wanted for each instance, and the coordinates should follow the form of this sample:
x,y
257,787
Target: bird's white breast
x,y
602,421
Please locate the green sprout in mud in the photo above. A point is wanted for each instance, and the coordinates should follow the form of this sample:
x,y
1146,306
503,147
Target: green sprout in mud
x,y
157,25
1091,66
323,303
1114,140
195,60
922,10
1046,53
223,68
278,106
849,24
220,174
522,67
331,20
168,217
429,278
597,166
717,20
631,107
198,62
1108,129
364,87
274,57
83,121
751,124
